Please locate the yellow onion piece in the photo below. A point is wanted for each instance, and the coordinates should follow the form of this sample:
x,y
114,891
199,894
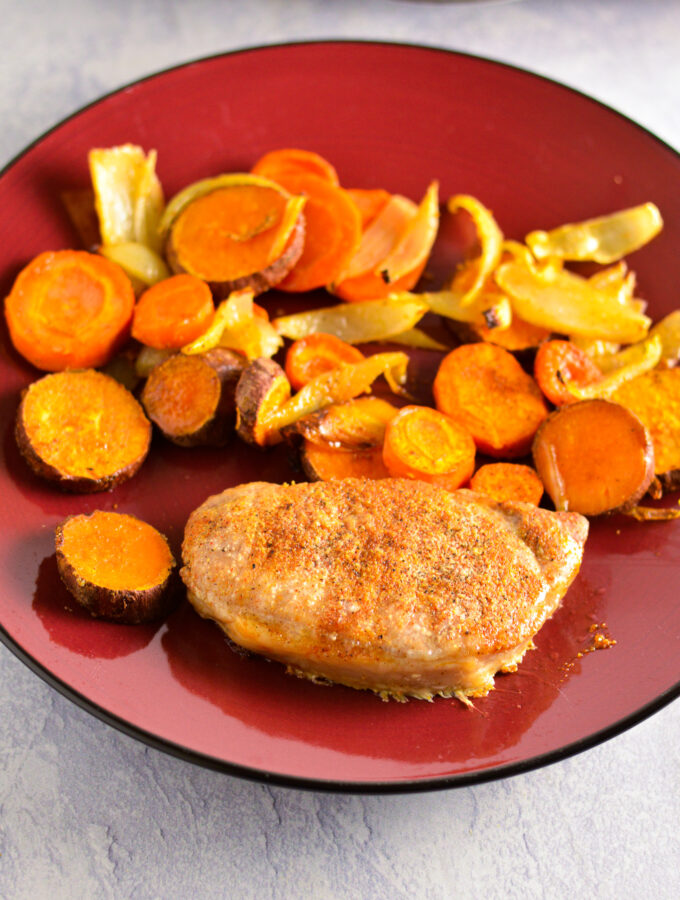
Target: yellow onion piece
x,y
494,311
626,365
490,238
380,237
566,303
236,327
668,330
356,323
415,244
139,261
340,385
416,337
128,195
291,214
603,240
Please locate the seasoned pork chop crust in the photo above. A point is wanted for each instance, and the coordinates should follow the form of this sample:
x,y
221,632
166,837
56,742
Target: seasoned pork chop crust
x,y
394,585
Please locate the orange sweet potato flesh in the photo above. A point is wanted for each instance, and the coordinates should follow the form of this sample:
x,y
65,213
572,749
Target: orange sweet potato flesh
x,y
192,398
262,387
483,387
323,463
116,566
655,399
594,457
226,238
508,482
82,430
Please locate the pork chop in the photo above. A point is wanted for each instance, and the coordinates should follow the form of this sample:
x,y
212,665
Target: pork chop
x,y
395,586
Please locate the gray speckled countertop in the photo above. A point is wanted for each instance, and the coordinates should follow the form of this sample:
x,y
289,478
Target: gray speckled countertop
x,y
88,812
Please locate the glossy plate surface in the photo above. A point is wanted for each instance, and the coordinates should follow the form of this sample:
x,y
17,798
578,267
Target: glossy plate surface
x,y
387,116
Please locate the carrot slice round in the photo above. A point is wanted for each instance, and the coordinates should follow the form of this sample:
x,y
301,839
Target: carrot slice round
x,y
317,353
370,202
423,443
593,457
332,232
69,309
483,387
173,312
291,161
560,363
508,482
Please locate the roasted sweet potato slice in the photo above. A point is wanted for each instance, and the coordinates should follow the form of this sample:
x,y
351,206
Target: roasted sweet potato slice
x,y
655,399
192,398
323,463
116,566
235,232
261,389
82,430
594,457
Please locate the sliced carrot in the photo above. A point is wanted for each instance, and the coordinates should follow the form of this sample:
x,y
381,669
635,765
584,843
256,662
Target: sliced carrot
x,y
593,457
327,464
483,387
332,232
370,202
425,444
559,364
69,309
508,482
291,161
394,258
173,312
317,353
519,335
374,287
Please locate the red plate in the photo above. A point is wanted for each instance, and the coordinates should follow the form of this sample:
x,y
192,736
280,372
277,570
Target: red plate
x,y
389,116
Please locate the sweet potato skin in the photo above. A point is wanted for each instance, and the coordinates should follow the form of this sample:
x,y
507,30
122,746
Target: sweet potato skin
x,y
218,428
131,607
259,382
258,282
81,484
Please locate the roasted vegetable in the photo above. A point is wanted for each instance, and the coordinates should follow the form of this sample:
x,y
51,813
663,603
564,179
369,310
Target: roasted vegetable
x,y
317,353
603,240
69,309
361,323
566,303
561,366
484,388
128,195
327,464
192,398
425,444
655,399
82,430
332,231
238,324
356,425
234,231
116,566
261,390
173,312
293,161
378,271
490,239
508,482
594,457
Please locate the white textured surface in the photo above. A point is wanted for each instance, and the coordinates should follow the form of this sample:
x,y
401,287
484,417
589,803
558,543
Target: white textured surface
x,y
88,812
